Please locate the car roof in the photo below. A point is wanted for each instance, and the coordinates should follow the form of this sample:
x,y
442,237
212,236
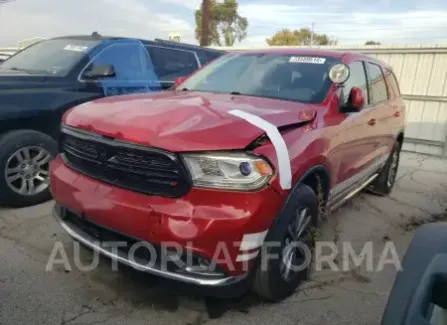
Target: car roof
x,y
295,51
157,41
341,54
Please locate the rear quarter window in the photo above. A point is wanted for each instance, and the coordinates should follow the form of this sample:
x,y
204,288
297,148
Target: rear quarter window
x,y
392,80
169,64
377,85
213,55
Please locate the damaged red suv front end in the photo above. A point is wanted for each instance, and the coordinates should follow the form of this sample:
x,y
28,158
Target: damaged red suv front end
x,y
189,184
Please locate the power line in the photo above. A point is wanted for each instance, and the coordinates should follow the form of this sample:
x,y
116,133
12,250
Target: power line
x,y
419,28
384,29
312,34
352,20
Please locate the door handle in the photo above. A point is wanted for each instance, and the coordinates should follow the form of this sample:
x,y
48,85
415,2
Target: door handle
x,y
372,122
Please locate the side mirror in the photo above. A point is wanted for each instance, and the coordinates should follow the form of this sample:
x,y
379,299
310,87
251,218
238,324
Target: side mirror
x,y
179,81
100,71
355,102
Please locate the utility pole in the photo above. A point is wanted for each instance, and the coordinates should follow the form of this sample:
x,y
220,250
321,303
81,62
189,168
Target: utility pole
x,y
312,35
205,37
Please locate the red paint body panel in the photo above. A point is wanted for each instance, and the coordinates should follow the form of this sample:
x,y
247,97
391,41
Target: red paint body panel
x,y
346,144
202,217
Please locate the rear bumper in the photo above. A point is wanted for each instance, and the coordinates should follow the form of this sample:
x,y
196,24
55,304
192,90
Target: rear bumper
x,y
138,263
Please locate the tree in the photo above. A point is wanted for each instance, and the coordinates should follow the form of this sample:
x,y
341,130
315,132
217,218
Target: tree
x,y
299,37
226,25
372,43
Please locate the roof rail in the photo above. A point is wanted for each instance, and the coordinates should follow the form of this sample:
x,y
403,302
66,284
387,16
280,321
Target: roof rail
x,y
186,44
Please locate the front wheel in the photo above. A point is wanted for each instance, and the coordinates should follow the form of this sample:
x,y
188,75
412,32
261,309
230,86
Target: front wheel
x,y
287,253
24,166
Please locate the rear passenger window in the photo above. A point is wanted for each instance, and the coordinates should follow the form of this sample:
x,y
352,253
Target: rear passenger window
x,y
169,64
379,91
357,78
393,81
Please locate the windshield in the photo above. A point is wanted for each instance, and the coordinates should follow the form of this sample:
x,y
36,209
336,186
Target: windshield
x,y
287,77
52,57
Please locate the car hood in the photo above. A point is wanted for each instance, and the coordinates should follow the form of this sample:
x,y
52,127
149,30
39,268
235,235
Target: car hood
x,y
184,121
10,79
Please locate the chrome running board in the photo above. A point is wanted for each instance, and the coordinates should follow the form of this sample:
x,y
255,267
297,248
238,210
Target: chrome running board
x,y
352,193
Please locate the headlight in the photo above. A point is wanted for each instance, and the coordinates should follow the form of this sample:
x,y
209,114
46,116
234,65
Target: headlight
x,y
231,171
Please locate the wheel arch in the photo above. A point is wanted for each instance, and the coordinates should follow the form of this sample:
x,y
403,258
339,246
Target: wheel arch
x,y
312,177
36,123
318,178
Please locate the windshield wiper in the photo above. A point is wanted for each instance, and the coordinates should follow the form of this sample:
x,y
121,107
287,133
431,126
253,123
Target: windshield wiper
x,y
27,70
15,69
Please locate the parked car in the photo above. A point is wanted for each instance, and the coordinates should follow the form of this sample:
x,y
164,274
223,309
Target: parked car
x,y
235,165
39,83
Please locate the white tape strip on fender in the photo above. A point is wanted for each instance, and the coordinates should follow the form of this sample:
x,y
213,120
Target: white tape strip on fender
x,y
246,257
282,154
252,241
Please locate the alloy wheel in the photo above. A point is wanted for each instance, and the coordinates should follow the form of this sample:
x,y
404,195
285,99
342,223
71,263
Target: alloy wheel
x,y
296,251
27,170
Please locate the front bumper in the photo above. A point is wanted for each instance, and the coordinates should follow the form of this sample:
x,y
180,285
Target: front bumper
x,y
139,264
200,221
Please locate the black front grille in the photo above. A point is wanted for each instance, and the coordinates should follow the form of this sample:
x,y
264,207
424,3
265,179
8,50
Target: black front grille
x,y
141,169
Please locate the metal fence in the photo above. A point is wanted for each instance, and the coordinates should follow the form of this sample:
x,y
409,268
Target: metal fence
x,y
422,74
7,52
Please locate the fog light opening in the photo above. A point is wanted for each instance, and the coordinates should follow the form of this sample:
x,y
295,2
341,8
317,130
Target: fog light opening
x,y
203,266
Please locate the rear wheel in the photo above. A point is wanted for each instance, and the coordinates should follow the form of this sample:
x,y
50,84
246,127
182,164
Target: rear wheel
x,y
384,183
24,165
287,253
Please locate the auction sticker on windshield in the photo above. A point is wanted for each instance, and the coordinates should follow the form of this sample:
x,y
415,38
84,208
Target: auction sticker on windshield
x,y
307,59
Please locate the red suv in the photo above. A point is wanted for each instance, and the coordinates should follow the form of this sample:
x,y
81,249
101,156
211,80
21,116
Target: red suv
x,y
221,182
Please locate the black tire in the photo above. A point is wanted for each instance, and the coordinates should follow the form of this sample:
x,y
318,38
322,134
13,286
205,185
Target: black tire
x,y
268,281
10,143
382,185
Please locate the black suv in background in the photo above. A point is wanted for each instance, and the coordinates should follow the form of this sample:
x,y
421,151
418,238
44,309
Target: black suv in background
x,y
41,82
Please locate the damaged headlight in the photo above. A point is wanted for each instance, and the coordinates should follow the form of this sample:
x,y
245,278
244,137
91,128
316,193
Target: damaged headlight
x,y
230,171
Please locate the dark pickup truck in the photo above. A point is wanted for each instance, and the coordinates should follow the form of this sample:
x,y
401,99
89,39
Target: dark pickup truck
x,y
41,82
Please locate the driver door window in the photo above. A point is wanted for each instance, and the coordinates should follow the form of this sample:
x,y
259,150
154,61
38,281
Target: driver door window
x,y
357,78
126,60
